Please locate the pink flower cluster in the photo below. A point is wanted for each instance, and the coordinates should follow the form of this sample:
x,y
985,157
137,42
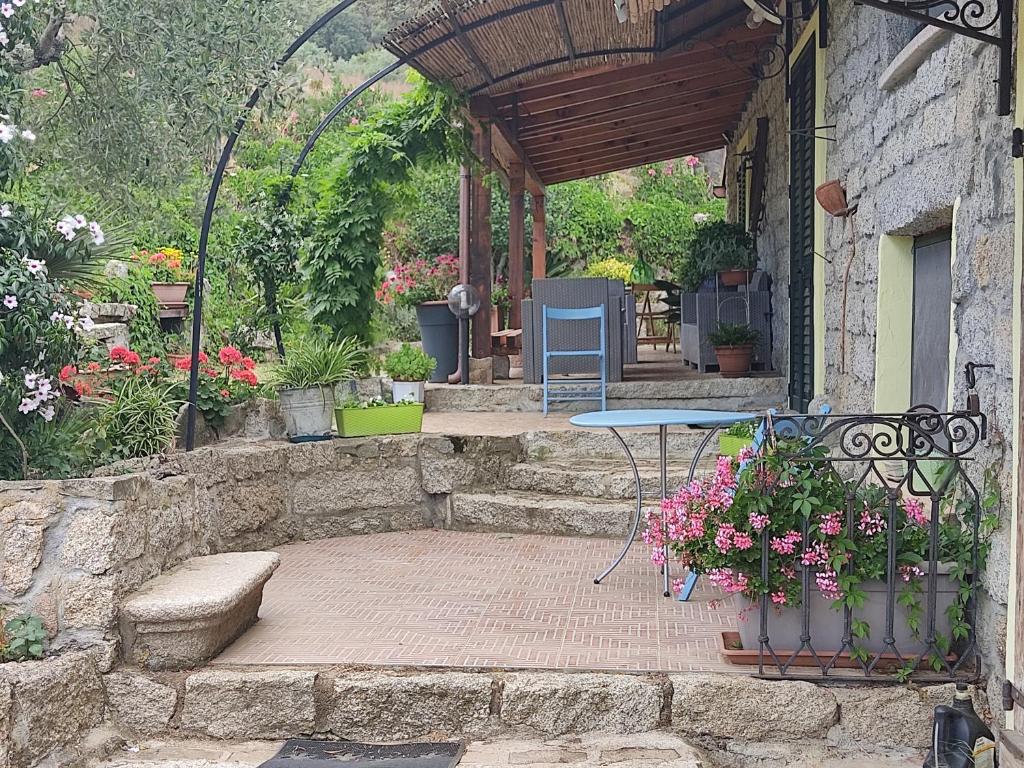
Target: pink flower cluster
x,y
817,554
915,511
908,572
832,523
871,523
727,580
786,544
828,583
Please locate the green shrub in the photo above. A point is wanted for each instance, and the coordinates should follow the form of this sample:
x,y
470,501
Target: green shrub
x,y
409,363
134,288
141,421
612,268
733,335
716,246
583,223
319,363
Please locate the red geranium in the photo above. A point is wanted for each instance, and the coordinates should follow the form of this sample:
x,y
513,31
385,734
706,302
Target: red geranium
x,y
229,356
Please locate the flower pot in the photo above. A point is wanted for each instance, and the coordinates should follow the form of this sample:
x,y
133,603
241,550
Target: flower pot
x,y
734,362
407,390
826,623
734,277
397,419
439,330
170,293
730,445
308,413
832,197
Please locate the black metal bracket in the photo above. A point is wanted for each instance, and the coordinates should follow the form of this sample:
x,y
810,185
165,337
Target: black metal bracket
x,y
990,21
1011,696
813,134
1017,143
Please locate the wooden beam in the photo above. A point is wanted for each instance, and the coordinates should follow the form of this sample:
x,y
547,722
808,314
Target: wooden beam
x,y
589,168
638,113
505,145
563,25
465,241
641,146
464,42
516,242
672,123
539,252
537,98
480,254
700,88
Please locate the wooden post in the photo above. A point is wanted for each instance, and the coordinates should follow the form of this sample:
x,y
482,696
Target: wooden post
x,y
540,243
480,251
464,221
516,242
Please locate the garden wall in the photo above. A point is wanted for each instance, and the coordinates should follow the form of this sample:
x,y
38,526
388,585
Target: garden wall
x,y
72,550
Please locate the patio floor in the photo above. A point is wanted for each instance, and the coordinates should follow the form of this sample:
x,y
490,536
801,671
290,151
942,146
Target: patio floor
x,y
432,598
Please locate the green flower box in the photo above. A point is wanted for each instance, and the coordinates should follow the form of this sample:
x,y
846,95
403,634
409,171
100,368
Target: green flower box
x,y
730,445
398,419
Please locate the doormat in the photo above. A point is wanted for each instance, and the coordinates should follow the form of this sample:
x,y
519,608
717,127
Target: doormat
x,y
306,753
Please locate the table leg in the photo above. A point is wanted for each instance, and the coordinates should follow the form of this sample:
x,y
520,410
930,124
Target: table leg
x,y
639,510
691,577
663,461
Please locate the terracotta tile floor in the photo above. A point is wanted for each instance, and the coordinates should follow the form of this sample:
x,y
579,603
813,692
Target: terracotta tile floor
x,y
442,598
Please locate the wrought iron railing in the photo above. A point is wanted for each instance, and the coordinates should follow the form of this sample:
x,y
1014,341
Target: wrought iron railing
x,y
907,525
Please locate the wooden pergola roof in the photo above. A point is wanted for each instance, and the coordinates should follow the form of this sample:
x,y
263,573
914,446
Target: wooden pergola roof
x,y
574,93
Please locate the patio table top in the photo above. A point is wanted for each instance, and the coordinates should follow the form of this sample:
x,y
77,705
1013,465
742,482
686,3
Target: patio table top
x,y
654,417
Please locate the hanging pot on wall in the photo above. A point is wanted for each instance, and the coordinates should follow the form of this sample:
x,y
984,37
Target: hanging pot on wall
x,y
832,197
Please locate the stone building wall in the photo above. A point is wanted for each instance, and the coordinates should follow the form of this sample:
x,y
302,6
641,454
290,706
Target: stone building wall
x,y
908,157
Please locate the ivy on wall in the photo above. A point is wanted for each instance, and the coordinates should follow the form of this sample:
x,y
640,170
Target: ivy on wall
x,y
344,251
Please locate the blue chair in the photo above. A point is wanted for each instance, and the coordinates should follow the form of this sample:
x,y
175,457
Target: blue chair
x,y
574,392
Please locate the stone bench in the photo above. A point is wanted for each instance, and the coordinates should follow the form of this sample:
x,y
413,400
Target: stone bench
x,y
186,616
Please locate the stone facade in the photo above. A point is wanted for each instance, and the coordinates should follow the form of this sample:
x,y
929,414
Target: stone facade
x,y
919,149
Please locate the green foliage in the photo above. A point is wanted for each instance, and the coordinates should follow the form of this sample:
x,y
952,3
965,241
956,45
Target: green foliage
x,y
743,429
583,225
23,638
135,288
141,420
612,268
716,246
409,363
344,254
739,335
319,363
394,321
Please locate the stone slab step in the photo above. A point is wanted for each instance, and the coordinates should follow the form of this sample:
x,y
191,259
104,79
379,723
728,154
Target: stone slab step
x,y
186,616
523,512
597,478
542,445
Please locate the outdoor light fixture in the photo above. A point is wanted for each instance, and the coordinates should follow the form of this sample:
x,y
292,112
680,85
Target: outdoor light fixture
x,y
761,12
463,302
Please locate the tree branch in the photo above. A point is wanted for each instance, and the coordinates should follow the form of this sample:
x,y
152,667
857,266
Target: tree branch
x,y
51,43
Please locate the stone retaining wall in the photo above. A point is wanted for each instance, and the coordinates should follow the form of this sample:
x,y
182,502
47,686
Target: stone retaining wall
x,y
71,551
710,709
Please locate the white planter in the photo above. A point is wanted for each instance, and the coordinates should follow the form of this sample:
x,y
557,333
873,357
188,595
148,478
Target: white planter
x,y
308,413
400,390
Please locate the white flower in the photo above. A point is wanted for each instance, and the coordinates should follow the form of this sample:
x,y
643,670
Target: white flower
x,y
6,10
4,39
98,238
18,3
27,135
47,413
6,211
35,266
700,218
30,380
43,389
11,302
28,404
86,323
80,221
7,131
68,226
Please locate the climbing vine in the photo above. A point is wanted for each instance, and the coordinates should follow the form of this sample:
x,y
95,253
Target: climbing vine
x,y
343,254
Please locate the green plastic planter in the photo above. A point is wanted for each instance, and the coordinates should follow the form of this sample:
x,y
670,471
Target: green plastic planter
x,y
383,420
730,445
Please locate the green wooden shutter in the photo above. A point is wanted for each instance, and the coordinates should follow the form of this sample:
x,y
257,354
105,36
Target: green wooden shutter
x,y
801,231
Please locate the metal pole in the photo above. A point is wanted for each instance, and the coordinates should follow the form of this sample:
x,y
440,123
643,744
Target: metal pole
x,y
211,204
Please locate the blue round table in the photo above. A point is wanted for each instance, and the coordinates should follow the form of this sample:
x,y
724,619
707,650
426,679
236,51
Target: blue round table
x,y
662,418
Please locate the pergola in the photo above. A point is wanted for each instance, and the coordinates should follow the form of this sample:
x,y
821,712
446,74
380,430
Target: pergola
x,y
561,90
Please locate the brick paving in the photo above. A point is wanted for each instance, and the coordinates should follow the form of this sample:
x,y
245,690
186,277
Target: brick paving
x,y
435,598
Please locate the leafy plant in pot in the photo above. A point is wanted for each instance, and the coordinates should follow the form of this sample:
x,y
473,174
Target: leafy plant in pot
x,y
722,247
305,384
734,348
408,368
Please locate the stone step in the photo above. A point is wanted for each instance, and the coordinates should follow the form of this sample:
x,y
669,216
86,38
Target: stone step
x,y
544,444
523,512
186,616
752,393
597,478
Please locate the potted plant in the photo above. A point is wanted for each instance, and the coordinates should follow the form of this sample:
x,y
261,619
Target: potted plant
x,y
167,275
734,347
408,368
379,417
722,247
779,496
737,437
305,382
424,284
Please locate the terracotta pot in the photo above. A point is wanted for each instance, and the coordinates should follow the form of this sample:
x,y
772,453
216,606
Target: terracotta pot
x,y
832,197
170,293
734,277
734,362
